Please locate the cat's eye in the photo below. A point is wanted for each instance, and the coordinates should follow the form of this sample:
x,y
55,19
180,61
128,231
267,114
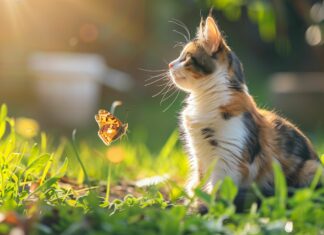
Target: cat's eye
x,y
194,60
196,64
187,57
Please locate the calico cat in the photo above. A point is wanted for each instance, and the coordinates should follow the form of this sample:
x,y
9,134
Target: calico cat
x,y
221,121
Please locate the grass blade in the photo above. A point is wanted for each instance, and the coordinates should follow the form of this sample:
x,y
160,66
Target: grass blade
x,y
86,178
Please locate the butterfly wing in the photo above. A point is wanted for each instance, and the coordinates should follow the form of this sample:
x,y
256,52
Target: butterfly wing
x,y
101,117
110,127
107,134
121,131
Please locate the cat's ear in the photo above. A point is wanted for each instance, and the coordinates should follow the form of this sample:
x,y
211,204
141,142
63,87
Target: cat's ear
x,y
212,34
200,31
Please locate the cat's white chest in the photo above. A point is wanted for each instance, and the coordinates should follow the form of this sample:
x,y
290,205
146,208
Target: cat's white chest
x,y
211,139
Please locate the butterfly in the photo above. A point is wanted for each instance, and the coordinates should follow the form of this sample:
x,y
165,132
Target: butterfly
x,y
110,127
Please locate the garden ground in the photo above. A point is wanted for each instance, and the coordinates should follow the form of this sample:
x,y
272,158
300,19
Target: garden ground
x,y
71,187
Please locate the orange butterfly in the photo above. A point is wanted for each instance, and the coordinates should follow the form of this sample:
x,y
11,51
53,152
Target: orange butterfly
x,y
110,127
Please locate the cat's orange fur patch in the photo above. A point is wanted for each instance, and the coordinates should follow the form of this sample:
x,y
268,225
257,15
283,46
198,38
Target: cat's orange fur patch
x,y
239,103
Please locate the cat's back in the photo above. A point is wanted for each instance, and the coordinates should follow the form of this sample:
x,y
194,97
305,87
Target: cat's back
x,y
288,137
292,149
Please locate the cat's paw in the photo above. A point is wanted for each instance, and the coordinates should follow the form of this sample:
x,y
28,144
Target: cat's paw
x,y
198,207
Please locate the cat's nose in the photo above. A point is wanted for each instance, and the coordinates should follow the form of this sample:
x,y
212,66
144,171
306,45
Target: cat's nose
x,y
171,65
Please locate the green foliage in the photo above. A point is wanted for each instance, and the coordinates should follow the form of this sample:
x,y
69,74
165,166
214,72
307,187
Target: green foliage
x,y
32,192
280,190
260,12
25,169
3,115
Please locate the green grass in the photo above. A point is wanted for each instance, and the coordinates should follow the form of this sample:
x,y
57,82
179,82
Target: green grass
x,y
45,190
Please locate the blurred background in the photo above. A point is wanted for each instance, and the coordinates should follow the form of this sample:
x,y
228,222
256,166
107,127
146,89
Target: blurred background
x,y
62,60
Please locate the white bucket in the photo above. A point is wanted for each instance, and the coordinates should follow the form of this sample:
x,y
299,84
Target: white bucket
x,y
68,86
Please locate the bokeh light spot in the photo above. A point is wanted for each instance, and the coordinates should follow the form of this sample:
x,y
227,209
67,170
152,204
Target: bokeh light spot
x,y
313,35
115,154
317,12
289,227
27,127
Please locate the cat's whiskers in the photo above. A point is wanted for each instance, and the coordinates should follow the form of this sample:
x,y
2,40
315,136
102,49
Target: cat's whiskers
x,y
164,97
174,100
153,70
182,25
157,76
179,44
182,34
170,87
157,80
167,85
164,84
162,74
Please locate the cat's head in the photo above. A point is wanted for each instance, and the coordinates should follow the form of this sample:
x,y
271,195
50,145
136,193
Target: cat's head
x,y
206,61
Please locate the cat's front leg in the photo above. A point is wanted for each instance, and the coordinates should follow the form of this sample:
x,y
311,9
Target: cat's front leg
x,y
194,204
192,184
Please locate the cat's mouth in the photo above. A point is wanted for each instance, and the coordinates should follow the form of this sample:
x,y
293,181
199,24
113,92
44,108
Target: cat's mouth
x,y
176,75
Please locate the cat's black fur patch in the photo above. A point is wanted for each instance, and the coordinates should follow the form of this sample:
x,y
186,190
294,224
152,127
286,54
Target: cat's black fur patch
x,y
213,143
226,115
296,145
291,178
207,133
230,59
200,66
293,142
252,140
234,84
207,130
208,136
236,65
215,55
238,80
200,60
